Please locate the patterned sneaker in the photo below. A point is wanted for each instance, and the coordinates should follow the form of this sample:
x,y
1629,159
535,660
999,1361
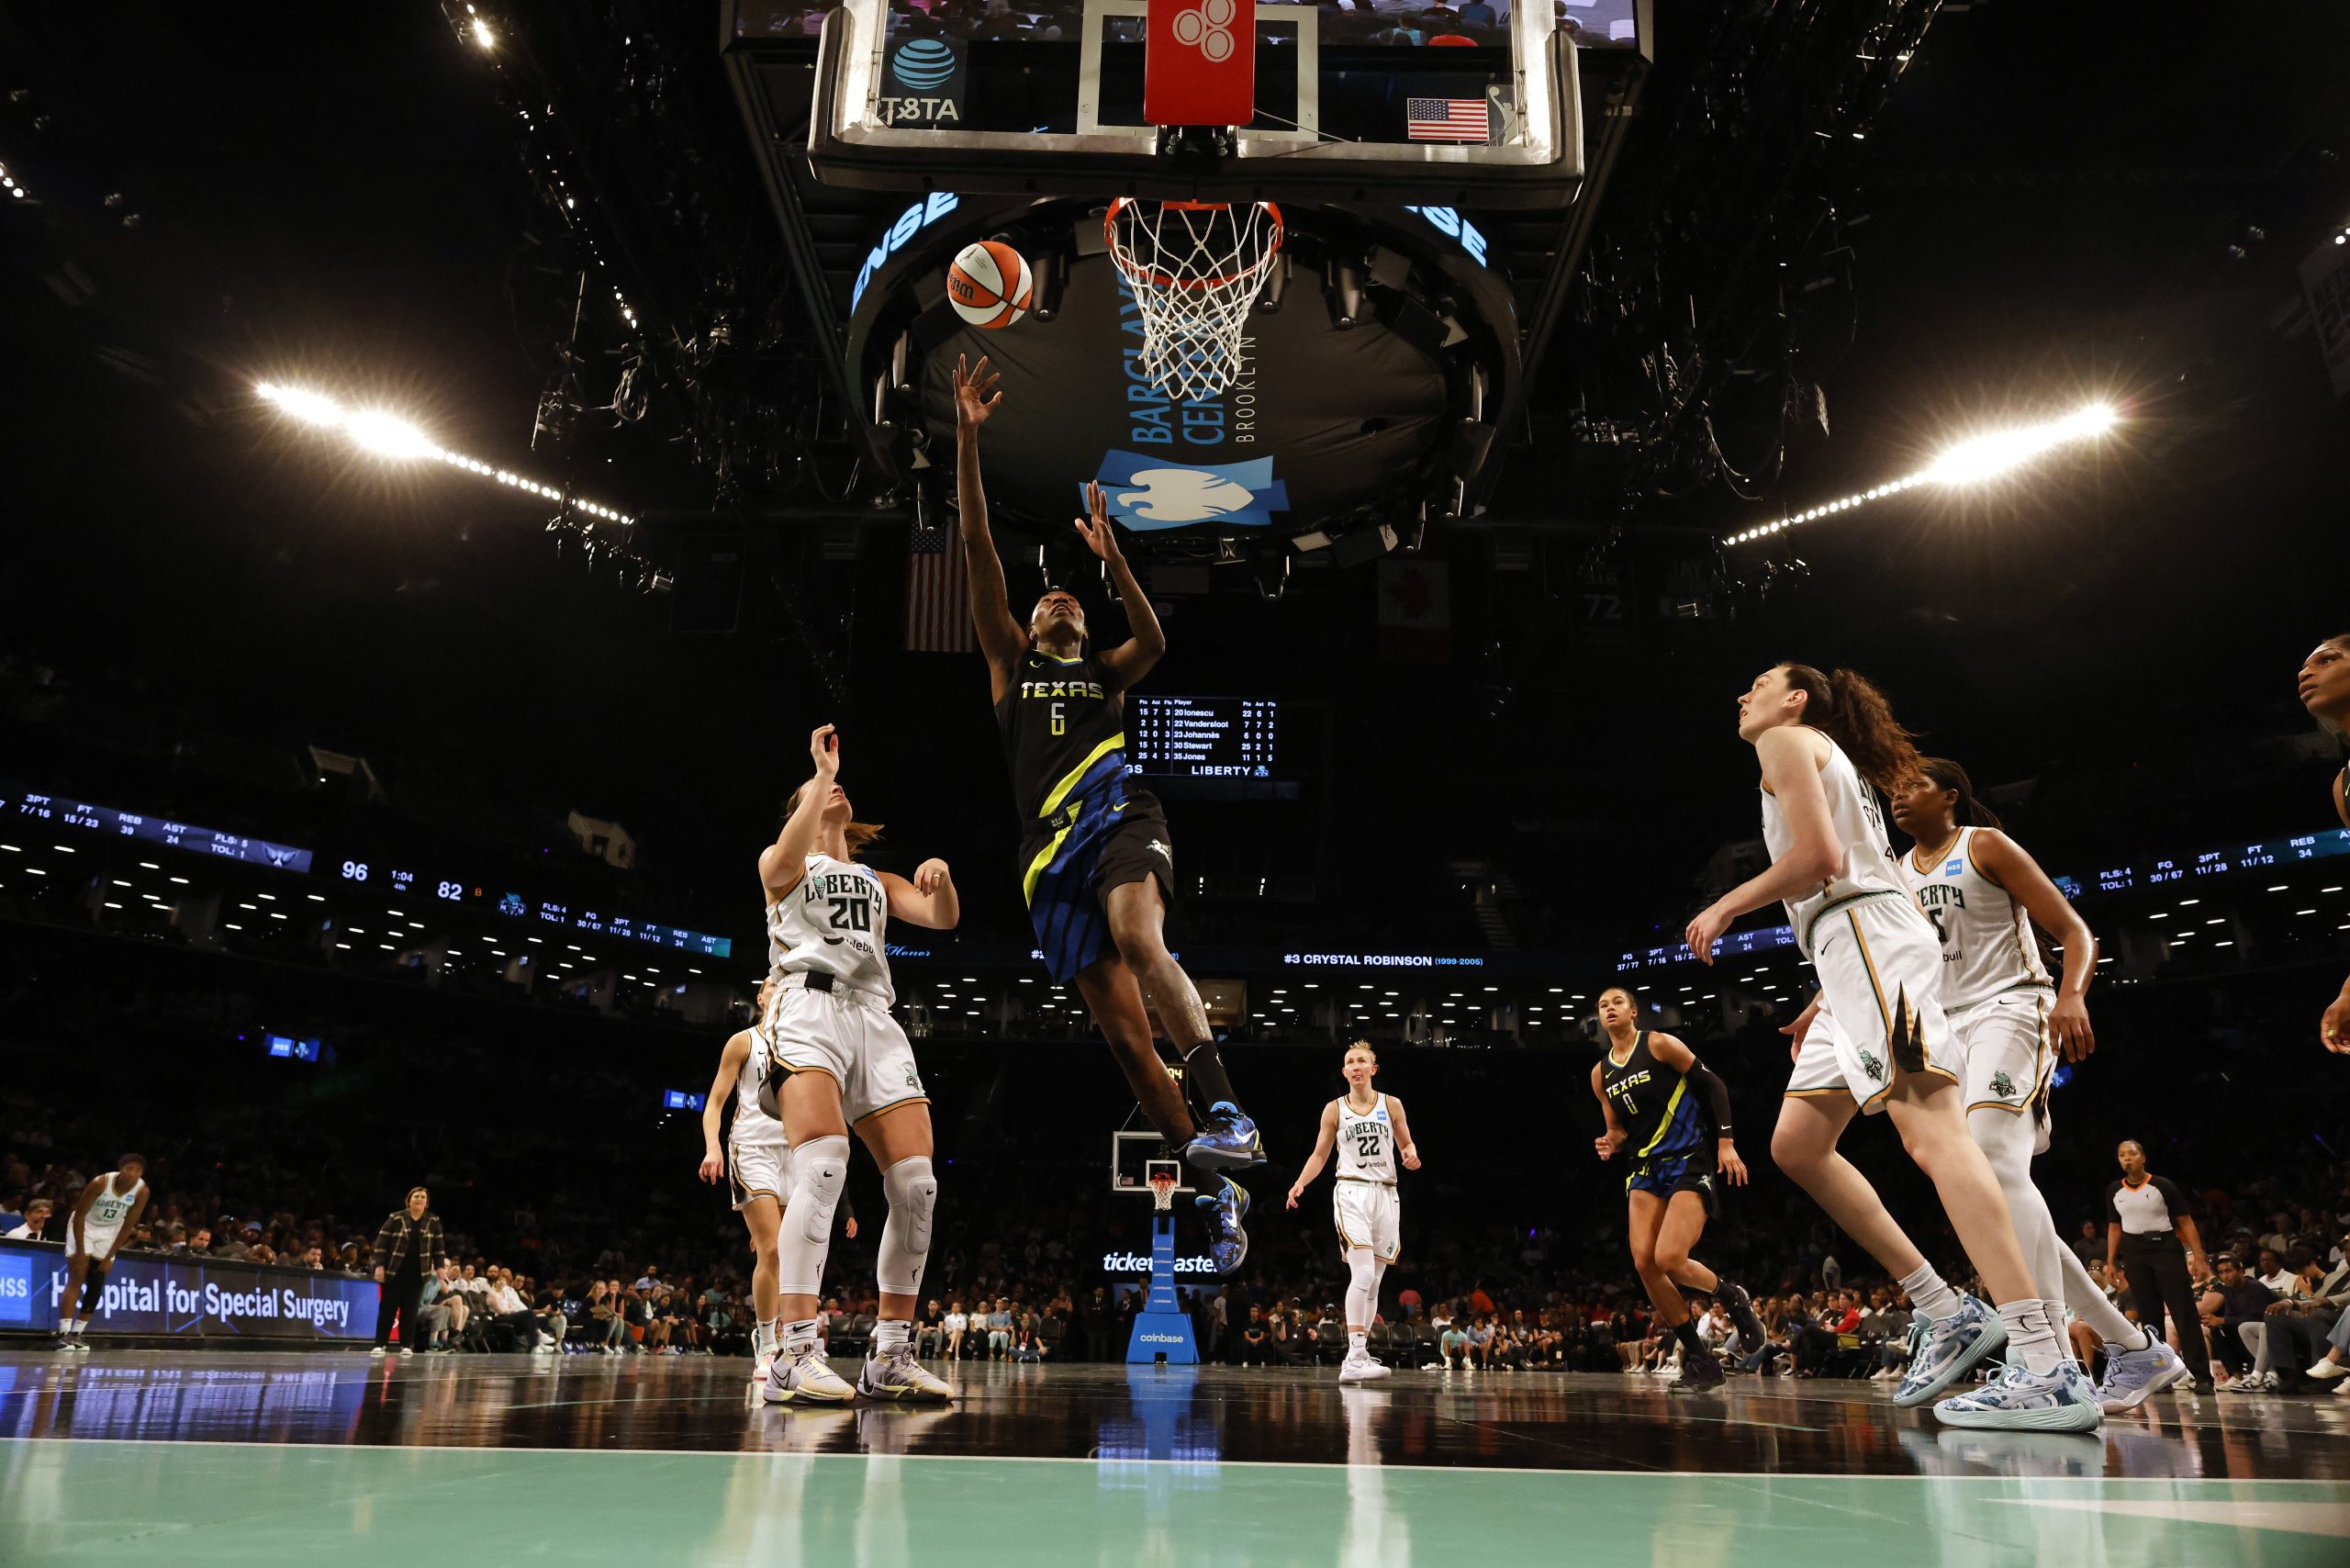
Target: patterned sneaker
x,y
1359,1367
1742,1316
804,1379
898,1377
1944,1350
1228,1142
2025,1400
1699,1374
1229,1206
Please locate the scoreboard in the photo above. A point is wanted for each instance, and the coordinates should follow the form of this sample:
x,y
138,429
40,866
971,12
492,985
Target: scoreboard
x,y
1202,737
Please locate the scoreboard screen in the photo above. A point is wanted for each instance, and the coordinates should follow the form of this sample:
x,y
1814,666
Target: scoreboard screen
x,y
1201,737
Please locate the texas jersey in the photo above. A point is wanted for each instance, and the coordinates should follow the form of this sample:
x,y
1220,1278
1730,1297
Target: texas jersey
x,y
1860,837
1366,1143
833,924
1063,724
1986,940
1665,1120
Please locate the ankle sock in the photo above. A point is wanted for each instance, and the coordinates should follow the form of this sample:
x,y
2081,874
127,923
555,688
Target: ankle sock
x,y
1929,1293
2032,1339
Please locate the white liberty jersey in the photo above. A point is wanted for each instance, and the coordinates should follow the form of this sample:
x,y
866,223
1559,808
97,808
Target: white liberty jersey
x,y
111,1207
833,924
1860,836
1366,1143
1986,935
753,1126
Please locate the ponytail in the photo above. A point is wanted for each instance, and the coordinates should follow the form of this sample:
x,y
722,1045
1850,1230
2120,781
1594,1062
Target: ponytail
x,y
1948,775
1853,713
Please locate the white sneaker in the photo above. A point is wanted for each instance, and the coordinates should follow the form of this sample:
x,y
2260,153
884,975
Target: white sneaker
x,y
544,1348
378,1350
2131,1377
1361,1367
804,1379
898,1376
2021,1400
408,1350
2328,1368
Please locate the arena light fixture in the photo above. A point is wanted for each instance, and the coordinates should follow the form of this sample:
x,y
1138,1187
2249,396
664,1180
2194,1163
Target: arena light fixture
x,y
1975,461
384,434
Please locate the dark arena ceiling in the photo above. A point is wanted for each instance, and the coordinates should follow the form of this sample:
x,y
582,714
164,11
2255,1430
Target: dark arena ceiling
x,y
1788,280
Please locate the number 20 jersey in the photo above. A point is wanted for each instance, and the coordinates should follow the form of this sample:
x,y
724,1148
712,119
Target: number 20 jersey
x,y
832,923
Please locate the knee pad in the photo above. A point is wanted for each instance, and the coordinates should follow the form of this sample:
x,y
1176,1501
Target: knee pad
x,y
913,1192
818,1170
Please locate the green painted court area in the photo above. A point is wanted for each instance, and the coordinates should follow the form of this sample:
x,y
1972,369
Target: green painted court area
x,y
66,1501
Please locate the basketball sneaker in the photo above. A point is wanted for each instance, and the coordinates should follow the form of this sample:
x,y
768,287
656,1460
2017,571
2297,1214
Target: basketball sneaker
x,y
1361,1367
2022,1400
804,1378
763,1348
1944,1350
901,1379
1228,1206
1742,1316
1228,1142
1700,1373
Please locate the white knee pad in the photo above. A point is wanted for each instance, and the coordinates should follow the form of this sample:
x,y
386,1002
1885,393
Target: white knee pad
x,y
912,1192
1362,1286
819,1171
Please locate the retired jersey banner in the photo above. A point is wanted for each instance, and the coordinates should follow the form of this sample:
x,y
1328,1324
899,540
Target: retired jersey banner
x,y
1200,62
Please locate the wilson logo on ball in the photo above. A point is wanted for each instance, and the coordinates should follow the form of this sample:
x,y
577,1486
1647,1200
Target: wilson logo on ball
x,y
989,285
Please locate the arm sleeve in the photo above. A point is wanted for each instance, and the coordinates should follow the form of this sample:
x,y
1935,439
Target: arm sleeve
x,y
1716,1094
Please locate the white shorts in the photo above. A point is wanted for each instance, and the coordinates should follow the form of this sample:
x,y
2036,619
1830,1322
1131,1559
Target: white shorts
x,y
758,1170
2004,1041
96,1243
1369,1215
1878,962
854,1039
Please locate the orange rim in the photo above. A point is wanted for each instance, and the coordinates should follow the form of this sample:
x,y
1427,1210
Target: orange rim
x,y
1151,277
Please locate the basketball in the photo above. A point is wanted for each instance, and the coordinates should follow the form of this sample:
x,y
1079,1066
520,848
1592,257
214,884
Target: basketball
x,y
990,284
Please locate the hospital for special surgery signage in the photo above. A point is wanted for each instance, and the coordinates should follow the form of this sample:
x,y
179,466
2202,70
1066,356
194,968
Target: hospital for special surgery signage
x,y
151,1294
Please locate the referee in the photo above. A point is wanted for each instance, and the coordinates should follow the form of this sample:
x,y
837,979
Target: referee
x,y
2148,1218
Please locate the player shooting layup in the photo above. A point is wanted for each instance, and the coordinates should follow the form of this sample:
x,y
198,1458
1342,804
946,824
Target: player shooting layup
x,y
1096,862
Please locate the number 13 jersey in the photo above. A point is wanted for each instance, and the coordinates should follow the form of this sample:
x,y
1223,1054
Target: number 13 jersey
x,y
832,923
1986,934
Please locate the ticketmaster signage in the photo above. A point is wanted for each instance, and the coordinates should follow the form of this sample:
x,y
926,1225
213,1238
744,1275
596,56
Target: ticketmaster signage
x,y
151,1294
1139,1263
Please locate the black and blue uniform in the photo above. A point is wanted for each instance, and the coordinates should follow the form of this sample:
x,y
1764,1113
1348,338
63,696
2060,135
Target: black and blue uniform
x,y
1083,832
1672,1121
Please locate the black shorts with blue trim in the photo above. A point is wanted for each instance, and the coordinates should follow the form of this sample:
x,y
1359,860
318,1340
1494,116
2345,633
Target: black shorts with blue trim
x,y
1105,840
1665,1175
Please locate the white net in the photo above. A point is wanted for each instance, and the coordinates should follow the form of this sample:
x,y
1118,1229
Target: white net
x,y
1196,269
1162,1190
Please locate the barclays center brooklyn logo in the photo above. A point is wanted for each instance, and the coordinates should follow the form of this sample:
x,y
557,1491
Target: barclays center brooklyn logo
x,y
923,64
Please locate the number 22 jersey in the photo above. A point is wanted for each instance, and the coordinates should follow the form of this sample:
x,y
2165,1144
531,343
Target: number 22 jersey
x,y
834,923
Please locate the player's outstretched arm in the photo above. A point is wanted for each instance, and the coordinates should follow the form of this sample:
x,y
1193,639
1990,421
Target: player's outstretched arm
x,y
1146,643
1323,1143
1000,636
929,899
1404,1147
1617,1135
783,863
1791,762
2010,865
713,1104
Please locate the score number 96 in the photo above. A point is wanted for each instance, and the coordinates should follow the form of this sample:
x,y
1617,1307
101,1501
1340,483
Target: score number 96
x,y
356,871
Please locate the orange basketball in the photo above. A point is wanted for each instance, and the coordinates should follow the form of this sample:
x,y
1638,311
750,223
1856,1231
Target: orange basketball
x,y
989,285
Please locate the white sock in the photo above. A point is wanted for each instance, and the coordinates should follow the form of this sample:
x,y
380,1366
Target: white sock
x,y
1929,1293
800,1339
889,1338
2105,1319
1357,1342
2031,1336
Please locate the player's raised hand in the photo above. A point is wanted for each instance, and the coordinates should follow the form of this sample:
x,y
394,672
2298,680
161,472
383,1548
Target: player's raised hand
x,y
824,747
1099,536
1733,1168
975,394
931,876
713,1168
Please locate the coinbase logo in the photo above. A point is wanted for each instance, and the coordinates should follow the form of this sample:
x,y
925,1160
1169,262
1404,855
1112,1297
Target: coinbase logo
x,y
922,63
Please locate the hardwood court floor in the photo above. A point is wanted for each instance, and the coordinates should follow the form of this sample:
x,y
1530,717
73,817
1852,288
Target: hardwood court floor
x,y
260,1458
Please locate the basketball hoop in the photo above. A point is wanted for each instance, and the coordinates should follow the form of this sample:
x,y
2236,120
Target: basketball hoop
x,y
1162,1190
1195,268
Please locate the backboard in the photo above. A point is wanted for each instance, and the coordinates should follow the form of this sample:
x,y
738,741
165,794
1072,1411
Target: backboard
x,y
1133,1155
1458,101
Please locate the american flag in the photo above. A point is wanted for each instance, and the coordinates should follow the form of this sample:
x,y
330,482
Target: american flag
x,y
1446,120
938,614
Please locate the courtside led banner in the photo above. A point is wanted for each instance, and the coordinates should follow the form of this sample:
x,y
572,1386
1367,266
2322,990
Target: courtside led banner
x,y
205,1298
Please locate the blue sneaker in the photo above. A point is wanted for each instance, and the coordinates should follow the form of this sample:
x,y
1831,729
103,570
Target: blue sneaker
x,y
1946,1349
1228,1142
2020,1400
1229,1206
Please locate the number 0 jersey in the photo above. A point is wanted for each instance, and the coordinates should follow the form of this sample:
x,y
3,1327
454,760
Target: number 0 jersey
x,y
832,923
1665,1120
1859,834
1366,1143
1986,940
